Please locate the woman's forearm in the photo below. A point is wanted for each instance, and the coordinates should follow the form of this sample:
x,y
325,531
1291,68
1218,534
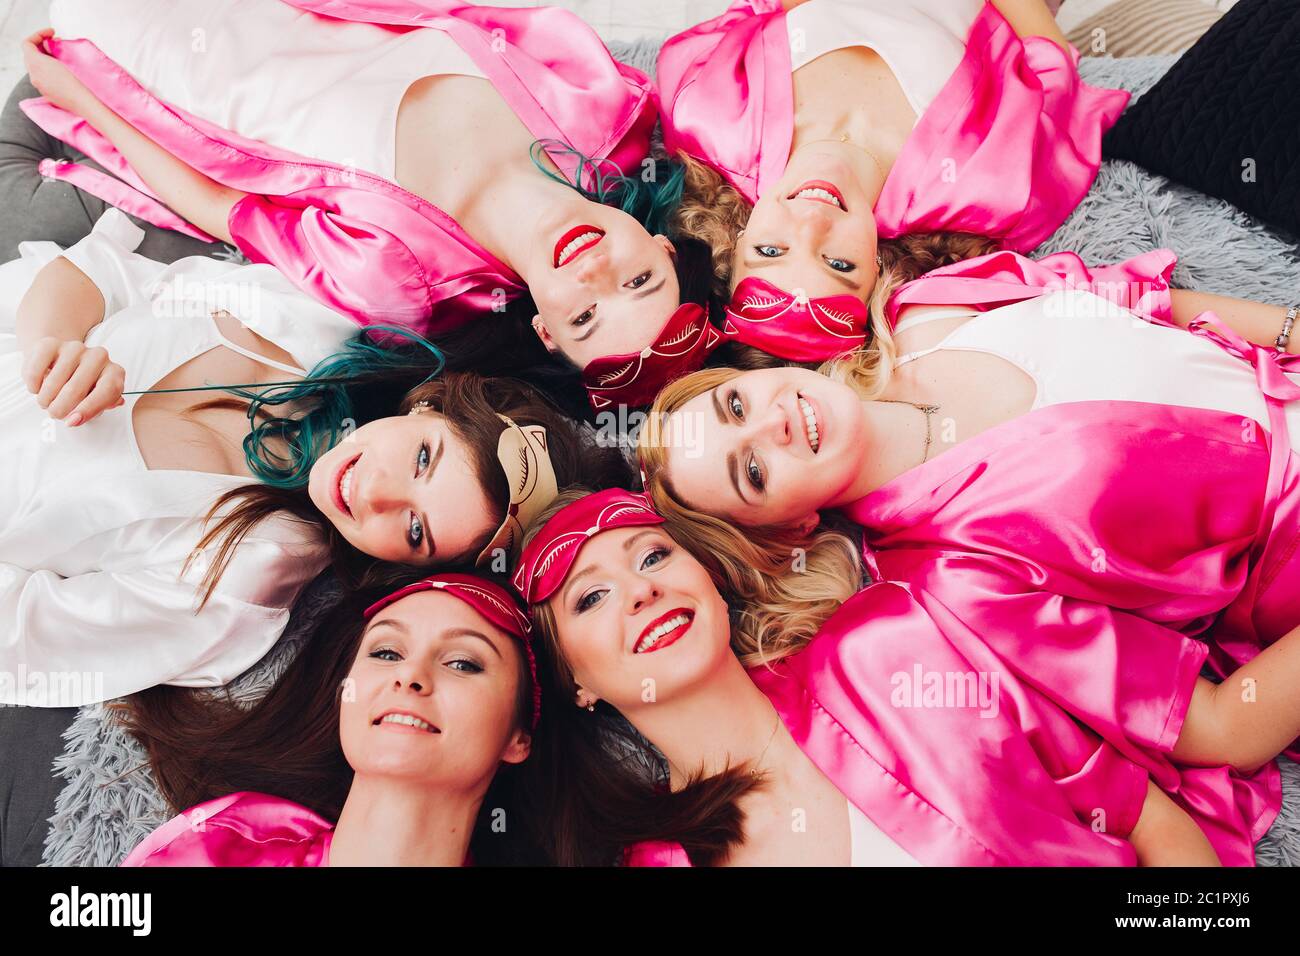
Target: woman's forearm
x,y
1251,717
196,197
1253,321
61,303
1165,835
1031,18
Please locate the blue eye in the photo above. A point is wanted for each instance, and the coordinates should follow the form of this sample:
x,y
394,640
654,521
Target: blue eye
x,y
470,667
588,600
754,474
415,532
386,654
639,281
655,557
421,459
840,265
769,252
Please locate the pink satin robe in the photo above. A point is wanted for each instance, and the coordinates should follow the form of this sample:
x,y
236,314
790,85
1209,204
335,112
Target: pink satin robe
x,y
955,783
242,829
1023,130
1090,545
357,242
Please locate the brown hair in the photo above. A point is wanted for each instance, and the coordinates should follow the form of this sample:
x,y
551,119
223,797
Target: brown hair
x,y
204,744
595,780
471,404
711,211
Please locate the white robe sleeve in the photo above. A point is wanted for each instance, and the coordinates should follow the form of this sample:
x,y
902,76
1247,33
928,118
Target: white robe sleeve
x,y
107,257
71,641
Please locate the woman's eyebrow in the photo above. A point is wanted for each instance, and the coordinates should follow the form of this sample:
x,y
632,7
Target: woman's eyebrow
x,y
844,280
470,632
576,577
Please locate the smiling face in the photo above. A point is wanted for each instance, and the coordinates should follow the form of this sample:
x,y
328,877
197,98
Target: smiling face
x,y
405,489
638,607
601,283
768,448
814,230
433,695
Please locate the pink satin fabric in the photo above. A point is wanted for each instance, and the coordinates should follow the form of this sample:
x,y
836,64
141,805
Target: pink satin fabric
x,y
1007,149
957,784
242,829
1090,545
357,242
1140,284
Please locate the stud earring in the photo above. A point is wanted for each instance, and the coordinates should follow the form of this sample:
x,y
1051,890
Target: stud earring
x,y
418,408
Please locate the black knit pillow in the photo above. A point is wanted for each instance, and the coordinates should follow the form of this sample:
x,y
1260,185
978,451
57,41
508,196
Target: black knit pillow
x,y
1225,119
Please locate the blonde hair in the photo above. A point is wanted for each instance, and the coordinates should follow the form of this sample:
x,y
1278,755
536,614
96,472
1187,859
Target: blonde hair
x,y
782,585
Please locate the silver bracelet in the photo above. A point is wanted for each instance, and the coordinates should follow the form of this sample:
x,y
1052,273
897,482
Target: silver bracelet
x,y
1284,338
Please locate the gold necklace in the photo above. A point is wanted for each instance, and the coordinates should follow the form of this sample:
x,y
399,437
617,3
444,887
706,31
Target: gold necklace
x,y
929,411
844,139
758,764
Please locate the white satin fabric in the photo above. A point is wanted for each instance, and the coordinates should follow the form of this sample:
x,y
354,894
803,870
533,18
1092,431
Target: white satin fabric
x,y
1078,347
92,602
922,41
325,88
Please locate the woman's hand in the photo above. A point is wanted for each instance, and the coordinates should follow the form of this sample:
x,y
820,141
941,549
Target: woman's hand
x,y
71,380
54,80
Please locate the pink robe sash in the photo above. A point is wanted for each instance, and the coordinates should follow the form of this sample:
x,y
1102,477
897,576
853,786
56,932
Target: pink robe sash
x,y
1140,284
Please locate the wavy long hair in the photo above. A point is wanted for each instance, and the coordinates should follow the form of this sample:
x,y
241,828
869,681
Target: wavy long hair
x,y
203,744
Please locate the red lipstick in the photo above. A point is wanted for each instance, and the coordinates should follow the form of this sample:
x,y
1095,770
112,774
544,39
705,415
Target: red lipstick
x,y
821,184
568,237
671,637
